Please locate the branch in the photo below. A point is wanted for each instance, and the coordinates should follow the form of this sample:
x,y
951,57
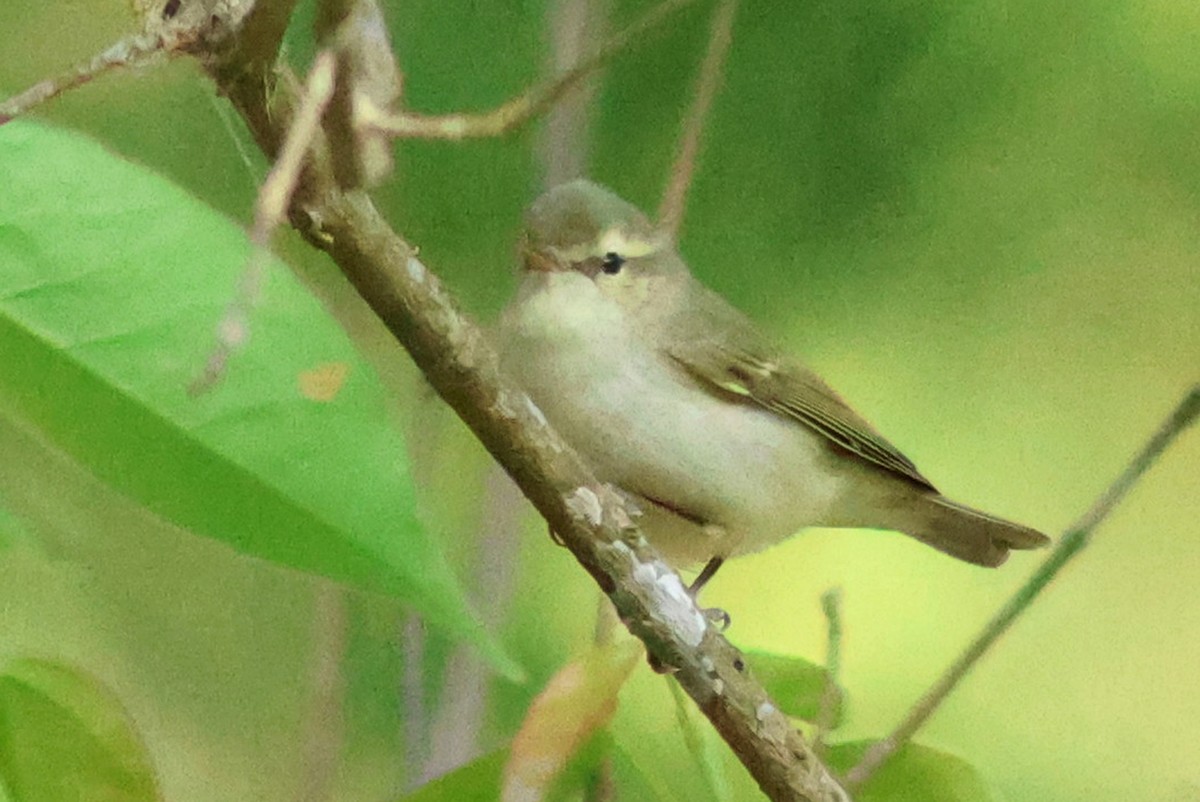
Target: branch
x,y
670,210
589,517
831,605
369,83
325,725
1072,543
416,727
260,30
525,106
128,52
564,142
198,27
270,210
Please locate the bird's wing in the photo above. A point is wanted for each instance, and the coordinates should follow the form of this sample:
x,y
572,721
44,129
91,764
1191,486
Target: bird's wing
x,y
741,366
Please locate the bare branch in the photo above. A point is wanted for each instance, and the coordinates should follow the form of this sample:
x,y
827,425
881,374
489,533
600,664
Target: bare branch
x,y
270,209
831,605
324,729
530,103
200,27
563,143
128,52
368,84
277,190
260,31
1072,543
412,696
674,201
459,722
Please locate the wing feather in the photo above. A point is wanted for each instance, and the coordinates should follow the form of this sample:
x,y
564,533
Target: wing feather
x,y
744,368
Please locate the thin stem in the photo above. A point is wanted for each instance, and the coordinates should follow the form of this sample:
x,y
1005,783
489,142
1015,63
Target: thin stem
x,y
277,190
525,106
270,210
225,114
261,30
127,52
368,84
326,718
670,211
412,697
1073,542
458,725
831,605
563,143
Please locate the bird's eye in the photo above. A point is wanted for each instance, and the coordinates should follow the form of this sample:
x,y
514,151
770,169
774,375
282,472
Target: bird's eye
x,y
612,263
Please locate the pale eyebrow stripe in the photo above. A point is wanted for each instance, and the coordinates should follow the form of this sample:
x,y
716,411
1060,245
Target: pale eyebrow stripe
x,y
614,240
611,240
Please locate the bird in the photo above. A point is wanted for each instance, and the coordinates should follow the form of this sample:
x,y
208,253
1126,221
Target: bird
x,y
726,443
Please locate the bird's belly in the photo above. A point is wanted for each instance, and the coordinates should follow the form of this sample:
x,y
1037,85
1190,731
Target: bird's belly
x,y
757,477
651,430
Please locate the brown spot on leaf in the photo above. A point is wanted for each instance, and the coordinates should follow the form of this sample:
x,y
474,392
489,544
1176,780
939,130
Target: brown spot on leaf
x,y
324,382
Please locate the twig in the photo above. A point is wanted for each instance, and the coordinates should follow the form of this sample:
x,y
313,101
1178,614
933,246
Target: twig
x,y
260,24
270,211
128,52
323,732
276,194
225,114
412,697
524,107
670,210
1073,542
458,724
563,144
831,605
368,84
589,517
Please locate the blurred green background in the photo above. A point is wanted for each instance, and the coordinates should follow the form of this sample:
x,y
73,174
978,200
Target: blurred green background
x,y
977,219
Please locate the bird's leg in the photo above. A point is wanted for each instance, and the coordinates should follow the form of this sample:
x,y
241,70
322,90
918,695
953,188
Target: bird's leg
x,y
716,615
720,538
706,573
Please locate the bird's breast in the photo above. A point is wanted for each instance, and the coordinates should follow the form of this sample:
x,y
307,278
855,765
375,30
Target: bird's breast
x,y
646,426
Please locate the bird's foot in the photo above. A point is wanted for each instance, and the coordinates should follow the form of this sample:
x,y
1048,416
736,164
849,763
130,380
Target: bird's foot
x,y
717,617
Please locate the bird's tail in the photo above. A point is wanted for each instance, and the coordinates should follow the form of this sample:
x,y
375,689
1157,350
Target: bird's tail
x,y
963,532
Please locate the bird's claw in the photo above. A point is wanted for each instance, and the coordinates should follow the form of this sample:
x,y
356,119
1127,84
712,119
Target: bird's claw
x,y
717,617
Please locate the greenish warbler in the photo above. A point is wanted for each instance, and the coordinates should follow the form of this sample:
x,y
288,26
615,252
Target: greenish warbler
x,y
674,396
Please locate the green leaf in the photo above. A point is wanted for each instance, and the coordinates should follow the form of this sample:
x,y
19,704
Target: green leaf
x,y
112,281
602,762
586,769
64,736
634,783
795,684
12,530
914,774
